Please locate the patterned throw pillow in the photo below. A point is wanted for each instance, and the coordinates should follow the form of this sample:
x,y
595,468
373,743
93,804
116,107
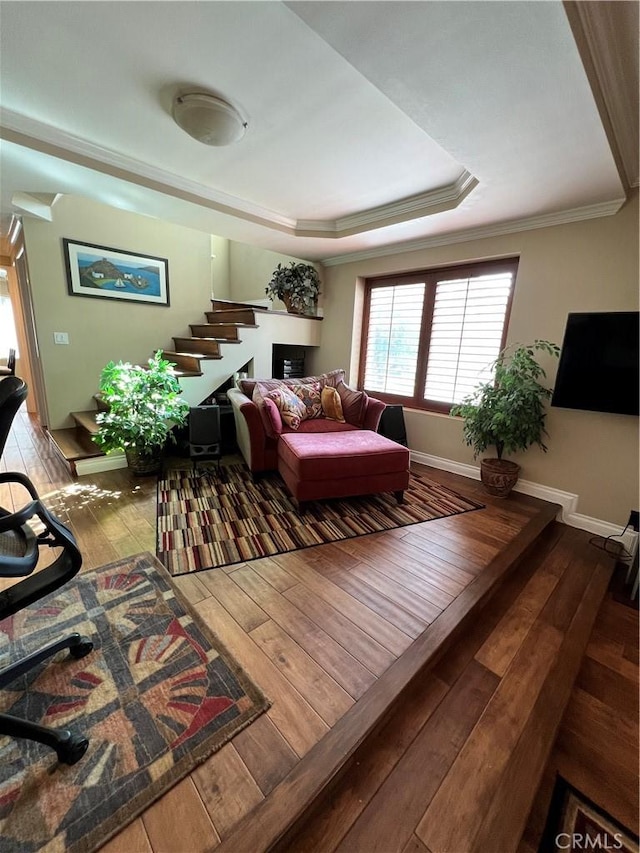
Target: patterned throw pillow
x,y
331,404
268,411
292,409
309,394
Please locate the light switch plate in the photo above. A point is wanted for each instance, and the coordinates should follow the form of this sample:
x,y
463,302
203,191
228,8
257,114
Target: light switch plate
x,y
61,337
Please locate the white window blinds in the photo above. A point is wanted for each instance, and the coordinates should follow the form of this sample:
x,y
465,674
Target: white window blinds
x,y
466,334
395,317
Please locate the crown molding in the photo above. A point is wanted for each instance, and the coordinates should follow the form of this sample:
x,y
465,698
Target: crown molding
x,y
38,136
413,207
606,36
546,220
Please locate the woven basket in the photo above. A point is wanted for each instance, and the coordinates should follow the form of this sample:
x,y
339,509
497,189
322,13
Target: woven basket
x,y
143,464
499,476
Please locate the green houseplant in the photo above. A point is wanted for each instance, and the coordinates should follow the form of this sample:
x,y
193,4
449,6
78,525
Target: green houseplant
x,y
143,404
297,285
507,413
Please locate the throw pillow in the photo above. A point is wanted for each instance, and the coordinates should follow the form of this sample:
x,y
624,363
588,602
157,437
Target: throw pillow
x,y
331,404
354,404
332,378
268,411
291,408
309,394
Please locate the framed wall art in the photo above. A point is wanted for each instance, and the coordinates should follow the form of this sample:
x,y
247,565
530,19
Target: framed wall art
x,y
104,273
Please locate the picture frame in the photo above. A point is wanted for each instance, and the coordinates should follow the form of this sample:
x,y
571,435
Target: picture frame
x,y
101,272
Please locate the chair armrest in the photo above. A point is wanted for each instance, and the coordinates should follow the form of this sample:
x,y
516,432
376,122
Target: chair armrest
x,y
373,413
22,479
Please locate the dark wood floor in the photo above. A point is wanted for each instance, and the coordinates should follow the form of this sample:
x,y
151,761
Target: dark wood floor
x,y
328,634
597,746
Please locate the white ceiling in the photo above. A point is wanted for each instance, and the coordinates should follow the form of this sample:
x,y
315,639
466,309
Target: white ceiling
x,y
386,122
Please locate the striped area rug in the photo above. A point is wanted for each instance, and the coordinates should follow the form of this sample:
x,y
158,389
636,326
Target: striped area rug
x,y
223,517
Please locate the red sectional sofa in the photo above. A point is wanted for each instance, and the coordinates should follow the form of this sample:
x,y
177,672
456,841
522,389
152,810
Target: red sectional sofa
x,y
258,437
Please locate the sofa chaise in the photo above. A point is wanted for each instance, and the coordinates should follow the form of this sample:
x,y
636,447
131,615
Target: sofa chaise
x,y
320,435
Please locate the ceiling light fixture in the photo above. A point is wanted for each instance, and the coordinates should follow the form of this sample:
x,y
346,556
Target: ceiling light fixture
x,y
208,118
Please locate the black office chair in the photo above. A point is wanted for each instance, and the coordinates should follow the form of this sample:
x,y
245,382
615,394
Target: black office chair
x,y
13,392
10,368
19,557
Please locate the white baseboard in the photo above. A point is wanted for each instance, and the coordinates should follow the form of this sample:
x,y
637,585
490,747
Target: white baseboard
x,y
567,500
100,463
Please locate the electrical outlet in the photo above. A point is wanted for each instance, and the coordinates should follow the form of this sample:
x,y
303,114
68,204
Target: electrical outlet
x,y
633,520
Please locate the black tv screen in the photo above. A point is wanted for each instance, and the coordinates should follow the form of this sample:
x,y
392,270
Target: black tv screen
x,y
598,369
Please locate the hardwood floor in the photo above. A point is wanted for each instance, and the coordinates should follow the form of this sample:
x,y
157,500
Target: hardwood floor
x,y
334,635
597,746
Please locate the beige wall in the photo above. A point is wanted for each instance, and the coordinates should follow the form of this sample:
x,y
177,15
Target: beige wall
x,y
250,271
101,330
583,266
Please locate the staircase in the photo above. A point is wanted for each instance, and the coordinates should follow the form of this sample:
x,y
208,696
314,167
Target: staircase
x,y
230,339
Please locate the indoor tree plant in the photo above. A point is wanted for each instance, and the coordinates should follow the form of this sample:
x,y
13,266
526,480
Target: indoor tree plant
x,y
297,285
143,404
507,413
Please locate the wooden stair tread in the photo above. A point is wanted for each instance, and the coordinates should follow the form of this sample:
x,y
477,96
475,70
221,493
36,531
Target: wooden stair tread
x,y
178,372
228,304
227,323
200,355
210,338
86,420
72,447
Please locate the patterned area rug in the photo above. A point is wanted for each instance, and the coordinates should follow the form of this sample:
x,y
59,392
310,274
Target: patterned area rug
x,y
157,696
224,517
575,823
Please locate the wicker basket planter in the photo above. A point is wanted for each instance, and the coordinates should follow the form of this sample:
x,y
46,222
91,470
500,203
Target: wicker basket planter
x,y
291,309
499,476
143,464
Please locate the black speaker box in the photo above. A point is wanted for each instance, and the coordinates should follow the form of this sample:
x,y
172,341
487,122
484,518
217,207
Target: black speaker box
x,y
204,427
392,424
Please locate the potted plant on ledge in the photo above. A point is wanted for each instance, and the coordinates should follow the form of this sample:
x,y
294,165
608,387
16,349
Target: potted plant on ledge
x,y
144,403
507,413
297,285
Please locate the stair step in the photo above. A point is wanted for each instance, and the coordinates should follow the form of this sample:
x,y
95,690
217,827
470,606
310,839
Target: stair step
x,y
212,320
201,356
227,304
184,361
100,403
232,315
184,373
86,420
224,331
204,346
73,446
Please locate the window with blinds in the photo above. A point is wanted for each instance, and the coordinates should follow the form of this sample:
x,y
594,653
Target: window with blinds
x,y
394,338
430,338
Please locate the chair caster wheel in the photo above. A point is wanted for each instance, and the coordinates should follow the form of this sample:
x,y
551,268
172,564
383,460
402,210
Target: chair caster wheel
x,y
71,750
82,648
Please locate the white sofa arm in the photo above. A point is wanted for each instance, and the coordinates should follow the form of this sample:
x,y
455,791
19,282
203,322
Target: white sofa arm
x,y
237,399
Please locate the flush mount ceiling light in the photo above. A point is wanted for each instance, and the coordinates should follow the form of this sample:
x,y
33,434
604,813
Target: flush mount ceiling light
x,y
208,118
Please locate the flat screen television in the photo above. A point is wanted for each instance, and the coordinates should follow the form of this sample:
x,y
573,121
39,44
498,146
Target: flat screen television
x,y
598,369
